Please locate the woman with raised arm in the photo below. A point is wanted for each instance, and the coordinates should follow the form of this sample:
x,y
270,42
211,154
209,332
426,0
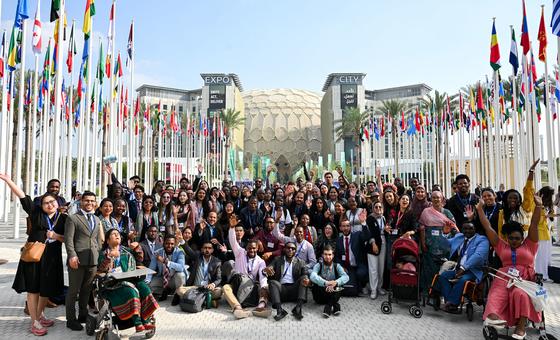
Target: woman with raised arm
x,y
42,279
512,306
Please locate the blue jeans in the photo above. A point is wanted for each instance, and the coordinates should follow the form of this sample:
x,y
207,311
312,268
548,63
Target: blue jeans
x,y
452,292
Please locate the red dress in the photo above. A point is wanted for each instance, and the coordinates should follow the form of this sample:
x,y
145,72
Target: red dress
x,y
513,303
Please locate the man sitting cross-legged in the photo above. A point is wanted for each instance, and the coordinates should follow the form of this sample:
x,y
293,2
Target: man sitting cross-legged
x,y
328,277
206,273
288,281
248,285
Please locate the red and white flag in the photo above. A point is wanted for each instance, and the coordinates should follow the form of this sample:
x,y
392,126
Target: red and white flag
x,y
37,40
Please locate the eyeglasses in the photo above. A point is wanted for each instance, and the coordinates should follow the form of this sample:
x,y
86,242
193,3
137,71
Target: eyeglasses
x,y
49,202
377,207
291,248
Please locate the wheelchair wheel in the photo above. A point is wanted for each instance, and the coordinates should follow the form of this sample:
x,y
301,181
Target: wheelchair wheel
x,y
490,333
470,312
91,325
103,334
386,308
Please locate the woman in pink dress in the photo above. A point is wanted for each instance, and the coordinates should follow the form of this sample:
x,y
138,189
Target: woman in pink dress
x,y
512,306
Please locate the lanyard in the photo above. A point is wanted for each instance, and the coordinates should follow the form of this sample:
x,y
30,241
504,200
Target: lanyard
x,y
513,257
252,264
489,216
121,224
464,202
148,219
205,269
299,249
286,270
50,223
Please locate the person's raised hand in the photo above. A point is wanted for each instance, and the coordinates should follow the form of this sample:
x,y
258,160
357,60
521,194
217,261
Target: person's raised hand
x,y
534,166
469,211
233,221
377,172
538,200
200,168
362,216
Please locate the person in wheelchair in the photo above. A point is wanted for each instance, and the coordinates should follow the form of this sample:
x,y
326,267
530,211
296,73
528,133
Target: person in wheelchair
x,y
470,252
130,298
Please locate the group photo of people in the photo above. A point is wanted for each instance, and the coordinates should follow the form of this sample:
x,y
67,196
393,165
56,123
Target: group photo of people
x,y
259,246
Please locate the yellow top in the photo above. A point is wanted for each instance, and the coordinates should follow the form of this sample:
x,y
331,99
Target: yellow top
x,y
527,208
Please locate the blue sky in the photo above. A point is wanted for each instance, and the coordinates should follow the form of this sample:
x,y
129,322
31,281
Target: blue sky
x,y
296,43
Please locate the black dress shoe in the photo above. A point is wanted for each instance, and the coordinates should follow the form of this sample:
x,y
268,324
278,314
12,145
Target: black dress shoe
x,y
176,300
280,314
327,311
296,312
336,309
163,297
74,325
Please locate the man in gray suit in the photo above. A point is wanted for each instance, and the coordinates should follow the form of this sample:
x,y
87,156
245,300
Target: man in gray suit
x,y
82,238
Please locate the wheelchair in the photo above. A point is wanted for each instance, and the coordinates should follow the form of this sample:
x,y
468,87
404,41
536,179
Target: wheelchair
x,y
492,333
473,293
103,322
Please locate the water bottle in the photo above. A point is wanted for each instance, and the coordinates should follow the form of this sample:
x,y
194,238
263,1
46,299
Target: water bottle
x,y
209,300
110,159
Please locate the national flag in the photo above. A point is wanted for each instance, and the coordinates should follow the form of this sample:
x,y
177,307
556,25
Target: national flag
x,y
513,60
71,50
88,13
525,32
555,21
417,120
137,107
14,51
2,53
403,122
55,10
27,101
494,49
553,109
37,39
100,67
365,132
130,45
110,41
63,98
479,100
118,67
382,126
542,38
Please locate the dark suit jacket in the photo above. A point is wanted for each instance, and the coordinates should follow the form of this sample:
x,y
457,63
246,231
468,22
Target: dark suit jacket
x,y
357,242
80,241
147,252
133,209
456,207
299,270
206,235
214,270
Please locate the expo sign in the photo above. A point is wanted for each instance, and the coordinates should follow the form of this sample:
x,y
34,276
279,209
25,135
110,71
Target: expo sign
x,y
217,80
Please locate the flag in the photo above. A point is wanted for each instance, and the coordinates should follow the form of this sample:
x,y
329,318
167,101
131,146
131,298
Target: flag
x,y
513,60
542,38
2,51
27,101
100,67
557,88
375,130
14,51
365,132
137,107
55,10
494,49
479,100
118,67
525,32
110,41
382,126
89,12
71,50
37,41
555,21
417,120
403,122
130,45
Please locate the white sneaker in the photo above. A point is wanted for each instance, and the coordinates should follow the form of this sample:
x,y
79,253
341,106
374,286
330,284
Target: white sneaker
x,y
373,296
382,291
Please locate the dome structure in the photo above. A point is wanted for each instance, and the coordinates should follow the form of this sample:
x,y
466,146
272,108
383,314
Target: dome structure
x,y
283,124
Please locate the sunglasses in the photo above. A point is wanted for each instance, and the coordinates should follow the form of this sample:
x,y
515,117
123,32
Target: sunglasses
x,y
291,248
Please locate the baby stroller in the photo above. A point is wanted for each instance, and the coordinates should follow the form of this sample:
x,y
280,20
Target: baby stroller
x,y
104,323
404,284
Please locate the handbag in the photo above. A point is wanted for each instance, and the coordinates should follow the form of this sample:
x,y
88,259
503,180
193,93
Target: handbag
x,y
32,251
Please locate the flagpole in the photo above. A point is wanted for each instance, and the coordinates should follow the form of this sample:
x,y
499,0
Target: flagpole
x,y
33,128
131,168
10,142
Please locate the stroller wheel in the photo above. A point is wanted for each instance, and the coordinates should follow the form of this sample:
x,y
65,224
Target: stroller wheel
x,y
470,312
103,334
91,325
490,333
416,311
386,308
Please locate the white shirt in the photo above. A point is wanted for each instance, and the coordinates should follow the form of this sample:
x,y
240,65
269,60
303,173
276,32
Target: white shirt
x,y
285,219
287,274
152,245
464,258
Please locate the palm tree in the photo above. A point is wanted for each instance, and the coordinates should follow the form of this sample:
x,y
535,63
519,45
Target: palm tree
x,y
232,121
352,125
393,108
437,103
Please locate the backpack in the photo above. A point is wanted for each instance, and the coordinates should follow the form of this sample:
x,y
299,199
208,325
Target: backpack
x,y
194,300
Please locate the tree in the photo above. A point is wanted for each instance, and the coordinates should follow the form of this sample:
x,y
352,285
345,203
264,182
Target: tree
x,y
351,125
232,121
393,108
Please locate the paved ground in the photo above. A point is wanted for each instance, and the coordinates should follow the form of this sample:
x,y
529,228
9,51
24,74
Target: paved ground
x,y
361,318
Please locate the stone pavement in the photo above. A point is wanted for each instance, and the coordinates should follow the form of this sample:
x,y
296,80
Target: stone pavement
x,y
361,318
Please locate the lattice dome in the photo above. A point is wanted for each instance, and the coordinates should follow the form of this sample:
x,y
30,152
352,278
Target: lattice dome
x,y
283,122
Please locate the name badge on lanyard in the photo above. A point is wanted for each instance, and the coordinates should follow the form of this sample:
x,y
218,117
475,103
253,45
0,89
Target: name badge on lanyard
x,y
513,270
435,232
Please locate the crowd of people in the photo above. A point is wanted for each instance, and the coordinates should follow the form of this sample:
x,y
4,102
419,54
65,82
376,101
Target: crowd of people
x,y
263,245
